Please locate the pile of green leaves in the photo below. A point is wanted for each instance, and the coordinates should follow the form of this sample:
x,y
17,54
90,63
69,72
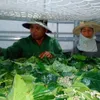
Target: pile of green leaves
x,y
73,78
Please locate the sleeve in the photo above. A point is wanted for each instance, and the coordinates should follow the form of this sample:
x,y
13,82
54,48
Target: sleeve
x,y
57,49
75,49
11,52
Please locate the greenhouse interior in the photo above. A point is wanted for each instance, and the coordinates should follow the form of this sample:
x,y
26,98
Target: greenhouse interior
x,y
49,49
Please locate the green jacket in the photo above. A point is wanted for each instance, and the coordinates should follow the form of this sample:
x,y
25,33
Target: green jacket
x,y
27,47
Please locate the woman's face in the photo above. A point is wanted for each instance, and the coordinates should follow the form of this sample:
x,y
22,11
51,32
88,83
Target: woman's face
x,y
87,32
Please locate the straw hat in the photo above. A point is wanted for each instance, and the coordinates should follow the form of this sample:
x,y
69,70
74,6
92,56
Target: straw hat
x,y
77,30
42,23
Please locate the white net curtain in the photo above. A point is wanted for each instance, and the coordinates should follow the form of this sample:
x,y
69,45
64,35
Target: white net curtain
x,y
50,9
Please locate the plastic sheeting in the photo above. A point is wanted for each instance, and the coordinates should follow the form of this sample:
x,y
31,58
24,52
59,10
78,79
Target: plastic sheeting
x,y
69,10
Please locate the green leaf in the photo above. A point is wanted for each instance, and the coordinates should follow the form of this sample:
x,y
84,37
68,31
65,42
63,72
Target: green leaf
x,y
20,91
79,57
92,79
3,98
41,92
80,86
28,78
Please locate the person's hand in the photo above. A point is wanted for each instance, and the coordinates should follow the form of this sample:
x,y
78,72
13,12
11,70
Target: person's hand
x,y
46,54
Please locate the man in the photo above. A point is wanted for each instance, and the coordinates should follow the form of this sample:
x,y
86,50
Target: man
x,y
36,44
87,43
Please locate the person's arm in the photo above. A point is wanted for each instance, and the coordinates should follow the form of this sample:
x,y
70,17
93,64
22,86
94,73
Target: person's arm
x,y
54,50
0,51
57,49
46,54
11,52
75,49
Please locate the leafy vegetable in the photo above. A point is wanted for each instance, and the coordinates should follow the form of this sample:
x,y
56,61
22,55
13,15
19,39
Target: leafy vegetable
x,y
20,90
73,78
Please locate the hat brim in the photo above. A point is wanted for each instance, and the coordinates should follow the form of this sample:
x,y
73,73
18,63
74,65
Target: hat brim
x,y
27,25
77,30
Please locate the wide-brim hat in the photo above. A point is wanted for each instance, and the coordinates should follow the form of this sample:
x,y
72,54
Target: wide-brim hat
x,y
95,26
42,23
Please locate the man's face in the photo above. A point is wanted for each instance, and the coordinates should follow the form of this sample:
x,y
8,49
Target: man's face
x,y
37,31
87,32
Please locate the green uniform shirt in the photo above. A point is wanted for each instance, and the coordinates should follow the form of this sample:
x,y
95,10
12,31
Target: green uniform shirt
x,y
27,47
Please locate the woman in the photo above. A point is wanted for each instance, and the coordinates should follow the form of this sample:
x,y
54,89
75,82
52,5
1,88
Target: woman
x,y
87,43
